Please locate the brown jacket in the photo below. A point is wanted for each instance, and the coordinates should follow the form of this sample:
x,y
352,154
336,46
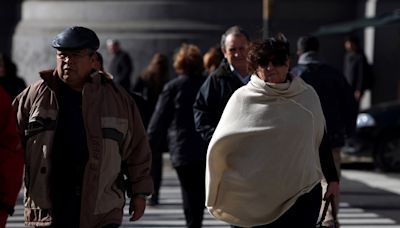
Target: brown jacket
x,y
114,132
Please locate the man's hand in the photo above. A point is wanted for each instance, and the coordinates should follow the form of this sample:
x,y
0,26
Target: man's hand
x,y
137,207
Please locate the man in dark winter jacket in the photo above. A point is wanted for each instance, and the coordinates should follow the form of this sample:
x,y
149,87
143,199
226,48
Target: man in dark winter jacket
x,y
337,100
220,85
121,66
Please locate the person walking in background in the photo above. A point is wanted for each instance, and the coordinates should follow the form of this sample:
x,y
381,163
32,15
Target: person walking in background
x,y
152,80
212,58
335,94
356,68
220,85
121,65
173,118
149,86
263,165
11,159
8,77
78,129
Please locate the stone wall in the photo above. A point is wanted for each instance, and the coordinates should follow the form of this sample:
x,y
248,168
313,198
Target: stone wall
x,y
142,27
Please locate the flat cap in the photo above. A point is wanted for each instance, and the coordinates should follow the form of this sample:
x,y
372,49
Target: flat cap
x,y
76,37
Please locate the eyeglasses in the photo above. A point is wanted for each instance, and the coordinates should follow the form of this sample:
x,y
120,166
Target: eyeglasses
x,y
274,62
64,55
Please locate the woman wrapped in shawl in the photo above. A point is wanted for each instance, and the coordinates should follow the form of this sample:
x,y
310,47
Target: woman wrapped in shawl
x,y
269,152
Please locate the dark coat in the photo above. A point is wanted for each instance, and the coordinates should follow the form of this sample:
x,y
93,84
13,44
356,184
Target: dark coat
x,y
121,68
173,116
358,72
12,85
336,96
212,99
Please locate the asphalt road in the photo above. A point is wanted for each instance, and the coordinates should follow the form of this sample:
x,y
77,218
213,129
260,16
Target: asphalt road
x,y
373,192
369,200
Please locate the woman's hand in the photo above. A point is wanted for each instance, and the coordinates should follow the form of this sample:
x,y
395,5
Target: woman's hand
x,y
332,190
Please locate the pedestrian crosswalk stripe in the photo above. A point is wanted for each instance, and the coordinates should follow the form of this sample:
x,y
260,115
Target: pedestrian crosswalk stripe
x,y
363,215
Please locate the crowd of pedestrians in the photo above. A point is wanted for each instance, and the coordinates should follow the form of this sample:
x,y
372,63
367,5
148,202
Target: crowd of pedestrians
x,y
253,138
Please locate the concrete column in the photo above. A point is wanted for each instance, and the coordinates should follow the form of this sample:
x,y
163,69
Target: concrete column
x,y
142,26
369,44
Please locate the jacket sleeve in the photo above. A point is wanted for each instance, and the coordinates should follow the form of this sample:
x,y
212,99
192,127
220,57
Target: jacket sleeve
x,y
11,156
326,159
136,153
205,109
161,119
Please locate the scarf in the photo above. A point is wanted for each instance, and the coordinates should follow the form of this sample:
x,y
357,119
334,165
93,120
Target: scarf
x,y
264,153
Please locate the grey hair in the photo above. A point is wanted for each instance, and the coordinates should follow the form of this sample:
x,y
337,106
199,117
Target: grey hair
x,y
110,42
236,31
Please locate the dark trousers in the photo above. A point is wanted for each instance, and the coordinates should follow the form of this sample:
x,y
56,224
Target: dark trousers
x,y
304,213
156,173
192,181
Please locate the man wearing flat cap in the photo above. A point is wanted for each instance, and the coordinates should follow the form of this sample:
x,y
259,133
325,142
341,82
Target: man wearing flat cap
x,y
79,129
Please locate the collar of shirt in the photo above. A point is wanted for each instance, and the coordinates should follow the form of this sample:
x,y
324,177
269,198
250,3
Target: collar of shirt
x,y
308,58
245,79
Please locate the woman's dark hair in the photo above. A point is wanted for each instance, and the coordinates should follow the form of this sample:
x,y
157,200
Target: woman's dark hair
x,y
355,41
156,73
275,49
9,66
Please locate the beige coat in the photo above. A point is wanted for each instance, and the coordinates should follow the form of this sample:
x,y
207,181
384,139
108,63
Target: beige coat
x,y
114,133
264,153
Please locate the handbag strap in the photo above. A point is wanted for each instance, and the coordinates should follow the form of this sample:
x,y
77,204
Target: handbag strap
x,y
326,206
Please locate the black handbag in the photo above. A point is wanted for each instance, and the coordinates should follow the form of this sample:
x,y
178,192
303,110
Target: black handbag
x,y
322,219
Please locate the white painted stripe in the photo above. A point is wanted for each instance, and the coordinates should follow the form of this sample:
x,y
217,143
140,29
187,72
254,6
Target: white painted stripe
x,y
351,210
363,215
379,221
375,180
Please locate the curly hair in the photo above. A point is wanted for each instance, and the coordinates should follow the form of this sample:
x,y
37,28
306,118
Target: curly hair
x,y
188,60
275,49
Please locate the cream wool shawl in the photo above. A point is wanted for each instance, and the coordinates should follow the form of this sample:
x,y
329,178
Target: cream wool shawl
x,y
264,153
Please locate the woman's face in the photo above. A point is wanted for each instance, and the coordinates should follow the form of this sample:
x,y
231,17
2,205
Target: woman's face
x,y
273,72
